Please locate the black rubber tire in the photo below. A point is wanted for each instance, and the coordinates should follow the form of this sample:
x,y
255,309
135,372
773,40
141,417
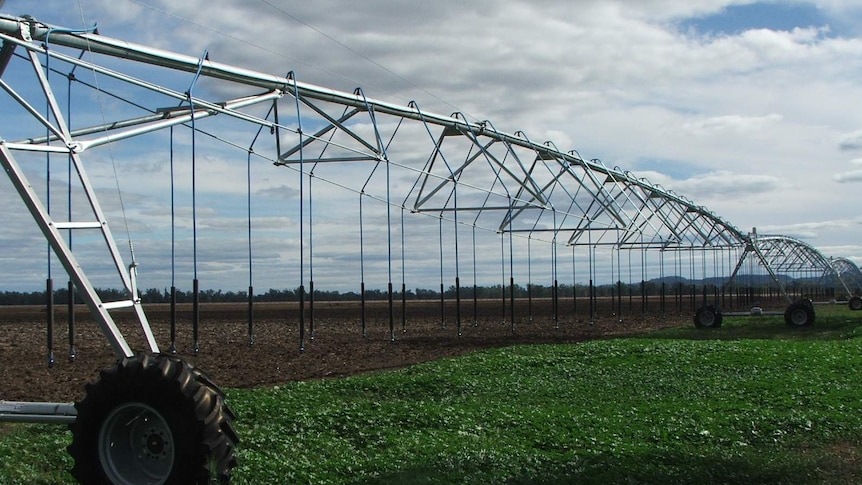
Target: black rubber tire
x,y
175,426
855,303
707,316
799,314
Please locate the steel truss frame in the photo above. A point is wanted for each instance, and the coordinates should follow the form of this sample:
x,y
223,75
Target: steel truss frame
x,y
523,181
849,273
783,255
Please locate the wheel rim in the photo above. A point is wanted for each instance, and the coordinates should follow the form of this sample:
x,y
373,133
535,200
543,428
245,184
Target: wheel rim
x,y
707,318
799,317
135,444
855,304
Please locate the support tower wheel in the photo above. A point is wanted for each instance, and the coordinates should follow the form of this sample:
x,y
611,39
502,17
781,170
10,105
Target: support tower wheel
x,y
152,420
855,303
707,316
800,314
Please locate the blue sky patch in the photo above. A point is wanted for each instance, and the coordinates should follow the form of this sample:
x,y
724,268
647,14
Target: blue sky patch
x,y
676,169
774,16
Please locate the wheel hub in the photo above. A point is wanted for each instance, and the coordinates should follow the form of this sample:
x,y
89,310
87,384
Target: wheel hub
x,y
136,445
155,444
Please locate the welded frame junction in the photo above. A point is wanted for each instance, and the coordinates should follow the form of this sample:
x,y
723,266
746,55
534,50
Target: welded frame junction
x,y
465,172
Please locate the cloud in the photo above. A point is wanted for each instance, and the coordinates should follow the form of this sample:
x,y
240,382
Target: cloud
x,y
733,123
282,192
848,177
715,185
851,142
811,230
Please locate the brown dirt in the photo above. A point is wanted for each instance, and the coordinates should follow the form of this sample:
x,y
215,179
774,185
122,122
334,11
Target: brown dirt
x,y
338,347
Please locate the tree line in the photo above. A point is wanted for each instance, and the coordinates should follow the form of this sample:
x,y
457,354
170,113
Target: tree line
x,y
156,295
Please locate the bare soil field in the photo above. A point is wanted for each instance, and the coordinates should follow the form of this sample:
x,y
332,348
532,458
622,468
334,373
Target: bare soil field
x,y
338,347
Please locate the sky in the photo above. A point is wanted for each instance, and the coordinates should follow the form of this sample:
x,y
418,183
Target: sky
x,y
746,108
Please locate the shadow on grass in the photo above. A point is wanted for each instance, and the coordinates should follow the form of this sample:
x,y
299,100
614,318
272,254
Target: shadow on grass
x,y
808,466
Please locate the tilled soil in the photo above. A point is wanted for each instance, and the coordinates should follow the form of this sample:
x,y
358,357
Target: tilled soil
x,y
338,347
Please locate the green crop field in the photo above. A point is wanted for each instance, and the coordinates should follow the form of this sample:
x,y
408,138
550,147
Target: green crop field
x,y
750,403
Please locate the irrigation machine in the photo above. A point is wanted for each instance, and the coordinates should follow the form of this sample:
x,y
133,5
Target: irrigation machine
x,y
154,418
783,255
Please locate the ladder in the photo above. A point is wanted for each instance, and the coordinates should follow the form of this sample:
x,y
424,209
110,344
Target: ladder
x,y
100,310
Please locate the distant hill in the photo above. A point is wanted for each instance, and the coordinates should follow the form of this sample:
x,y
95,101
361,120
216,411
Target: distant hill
x,y
740,280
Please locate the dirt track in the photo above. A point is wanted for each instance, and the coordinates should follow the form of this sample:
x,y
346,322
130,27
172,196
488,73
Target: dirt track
x,y
338,347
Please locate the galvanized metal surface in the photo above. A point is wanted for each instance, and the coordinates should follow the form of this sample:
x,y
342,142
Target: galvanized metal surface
x,y
37,412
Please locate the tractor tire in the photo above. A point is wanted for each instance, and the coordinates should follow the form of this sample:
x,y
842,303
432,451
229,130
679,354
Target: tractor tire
x,y
855,303
707,316
799,314
152,419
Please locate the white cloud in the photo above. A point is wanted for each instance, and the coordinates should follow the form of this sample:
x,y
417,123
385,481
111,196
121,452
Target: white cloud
x,y
851,142
716,185
851,176
282,192
733,123
813,232
811,229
